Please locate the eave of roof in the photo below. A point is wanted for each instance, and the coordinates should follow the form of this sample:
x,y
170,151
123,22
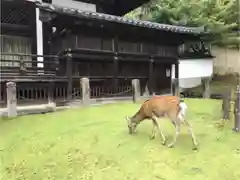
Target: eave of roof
x,y
119,7
118,19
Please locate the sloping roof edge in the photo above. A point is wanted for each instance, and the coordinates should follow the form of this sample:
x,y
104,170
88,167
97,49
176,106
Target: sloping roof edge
x,y
118,19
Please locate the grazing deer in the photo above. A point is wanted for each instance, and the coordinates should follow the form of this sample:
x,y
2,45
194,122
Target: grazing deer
x,y
170,106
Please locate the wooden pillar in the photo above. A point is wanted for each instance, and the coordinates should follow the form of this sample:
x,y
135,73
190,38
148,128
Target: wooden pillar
x,y
115,73
69,76
115,63
176,80
47,45
150,76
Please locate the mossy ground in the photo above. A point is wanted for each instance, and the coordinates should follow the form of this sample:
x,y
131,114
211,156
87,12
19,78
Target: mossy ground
x,y
93,143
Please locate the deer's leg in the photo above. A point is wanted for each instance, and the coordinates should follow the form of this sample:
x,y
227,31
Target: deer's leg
x,y
156,126
177,132
190,130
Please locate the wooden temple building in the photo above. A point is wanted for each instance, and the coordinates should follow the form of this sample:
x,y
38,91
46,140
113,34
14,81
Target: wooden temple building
x,y
47,47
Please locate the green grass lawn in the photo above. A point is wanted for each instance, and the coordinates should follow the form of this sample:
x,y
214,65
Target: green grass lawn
x,y
93,143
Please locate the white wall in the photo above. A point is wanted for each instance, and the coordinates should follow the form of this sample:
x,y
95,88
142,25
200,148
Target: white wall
x,y
75,4
192,70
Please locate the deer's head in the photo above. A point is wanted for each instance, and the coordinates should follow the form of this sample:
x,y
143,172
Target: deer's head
x,y
131,124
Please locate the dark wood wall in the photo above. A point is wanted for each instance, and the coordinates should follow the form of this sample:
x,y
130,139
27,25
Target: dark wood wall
x,y
95,46
96,42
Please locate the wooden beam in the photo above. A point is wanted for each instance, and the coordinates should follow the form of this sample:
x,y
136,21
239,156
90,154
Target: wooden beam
x,y
87,51
14,27
89,57
69,76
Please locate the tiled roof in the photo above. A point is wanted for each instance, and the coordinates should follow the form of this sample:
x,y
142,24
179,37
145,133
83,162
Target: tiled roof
x,y
118,19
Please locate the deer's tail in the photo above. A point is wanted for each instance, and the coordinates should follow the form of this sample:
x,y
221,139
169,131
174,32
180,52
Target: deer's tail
x,y
182,110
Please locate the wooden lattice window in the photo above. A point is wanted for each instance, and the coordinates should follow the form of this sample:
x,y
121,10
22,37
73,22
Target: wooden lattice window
x,y
13,13
15,44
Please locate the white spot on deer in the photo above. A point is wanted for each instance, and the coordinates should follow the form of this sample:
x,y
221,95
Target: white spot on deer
x,y
182,112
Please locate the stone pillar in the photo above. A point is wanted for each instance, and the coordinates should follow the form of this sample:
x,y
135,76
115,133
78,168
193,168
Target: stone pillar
x,y
146,91
226,105
11,100
85,89
136,89
206,87
237,111
50,92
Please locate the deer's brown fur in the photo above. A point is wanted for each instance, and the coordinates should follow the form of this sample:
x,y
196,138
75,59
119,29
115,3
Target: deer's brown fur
x,y
160,106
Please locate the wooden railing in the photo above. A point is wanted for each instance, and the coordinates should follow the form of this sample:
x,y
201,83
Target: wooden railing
x,y
40,92
23,67
99,91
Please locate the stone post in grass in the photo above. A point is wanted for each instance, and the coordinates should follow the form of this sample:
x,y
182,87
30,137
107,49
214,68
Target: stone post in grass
x,y
226,105
206,87
237,111
11,100
85,91
146,91
136,90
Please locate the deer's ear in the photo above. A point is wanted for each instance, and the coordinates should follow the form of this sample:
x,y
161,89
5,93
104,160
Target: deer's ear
x,y
127,118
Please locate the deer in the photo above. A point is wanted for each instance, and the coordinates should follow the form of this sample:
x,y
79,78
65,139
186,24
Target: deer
x,y
162,106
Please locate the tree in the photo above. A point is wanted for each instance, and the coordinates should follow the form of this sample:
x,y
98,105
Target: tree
x,y
220,17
